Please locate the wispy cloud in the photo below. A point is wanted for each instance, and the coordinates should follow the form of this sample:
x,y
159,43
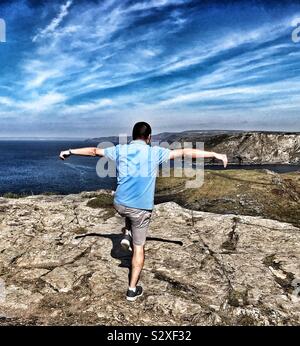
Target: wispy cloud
x,y
6,101
63,12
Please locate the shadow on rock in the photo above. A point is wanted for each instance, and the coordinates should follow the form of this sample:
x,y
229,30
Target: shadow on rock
x,y
118,252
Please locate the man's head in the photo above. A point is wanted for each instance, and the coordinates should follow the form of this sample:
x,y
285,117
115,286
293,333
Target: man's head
x,y
142,130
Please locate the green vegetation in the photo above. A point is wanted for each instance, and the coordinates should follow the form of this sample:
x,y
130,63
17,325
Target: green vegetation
x,y
13,195
104,201
236,298
245,192
101,201
270,261
25,194
80,230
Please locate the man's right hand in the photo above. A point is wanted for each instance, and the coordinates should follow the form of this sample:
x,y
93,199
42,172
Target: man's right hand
x,y
223,158
64,154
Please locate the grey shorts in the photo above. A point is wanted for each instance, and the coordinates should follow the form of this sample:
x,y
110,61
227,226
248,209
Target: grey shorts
x,y
137,221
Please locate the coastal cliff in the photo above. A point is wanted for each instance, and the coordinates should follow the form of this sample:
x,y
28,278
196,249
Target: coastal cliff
x,y
247,147
240,147
61,263
260,148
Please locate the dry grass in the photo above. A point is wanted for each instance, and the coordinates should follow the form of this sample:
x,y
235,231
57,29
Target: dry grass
x,y
246,192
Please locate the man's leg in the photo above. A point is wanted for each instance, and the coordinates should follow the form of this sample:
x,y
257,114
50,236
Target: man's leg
x,y
127,224
127,238
137,264
139,225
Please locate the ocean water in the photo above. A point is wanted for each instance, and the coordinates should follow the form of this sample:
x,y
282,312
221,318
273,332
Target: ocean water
x,y
33,167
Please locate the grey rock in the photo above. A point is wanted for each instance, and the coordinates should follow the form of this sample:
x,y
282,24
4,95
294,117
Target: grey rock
x,y
261,148
61,263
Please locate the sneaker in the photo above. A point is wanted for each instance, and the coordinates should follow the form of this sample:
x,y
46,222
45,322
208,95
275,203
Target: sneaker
x,y
133,295
126,241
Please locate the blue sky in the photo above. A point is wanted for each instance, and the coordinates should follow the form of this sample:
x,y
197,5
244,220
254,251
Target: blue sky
x,y
90,68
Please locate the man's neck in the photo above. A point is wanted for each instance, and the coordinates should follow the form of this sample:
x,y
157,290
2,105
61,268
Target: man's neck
x,y
139,140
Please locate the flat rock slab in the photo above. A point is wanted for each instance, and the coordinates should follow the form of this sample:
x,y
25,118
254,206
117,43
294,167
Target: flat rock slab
x,y
61,263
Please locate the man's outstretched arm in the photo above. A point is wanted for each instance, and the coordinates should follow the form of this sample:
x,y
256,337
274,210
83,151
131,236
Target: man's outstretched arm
x,y
91,151
196,153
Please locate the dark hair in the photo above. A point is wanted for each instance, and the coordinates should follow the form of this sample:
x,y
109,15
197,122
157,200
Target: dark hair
x,y
141,130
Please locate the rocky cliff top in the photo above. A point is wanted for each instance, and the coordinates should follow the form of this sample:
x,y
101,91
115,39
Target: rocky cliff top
x,y
60,263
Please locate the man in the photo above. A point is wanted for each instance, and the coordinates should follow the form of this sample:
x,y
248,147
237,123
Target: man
x,y
136,165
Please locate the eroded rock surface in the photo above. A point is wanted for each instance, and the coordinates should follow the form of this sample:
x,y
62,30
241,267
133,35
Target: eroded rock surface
x,y
61,263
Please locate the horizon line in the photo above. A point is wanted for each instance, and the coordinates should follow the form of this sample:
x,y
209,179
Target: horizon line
x,y
155,134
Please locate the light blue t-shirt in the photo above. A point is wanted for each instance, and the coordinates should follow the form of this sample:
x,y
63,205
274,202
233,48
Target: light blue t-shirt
x,y
137,164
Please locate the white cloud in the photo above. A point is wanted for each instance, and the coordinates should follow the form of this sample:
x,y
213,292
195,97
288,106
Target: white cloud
x,y
146,5
6,101
87,108
40,103
63,12
40,78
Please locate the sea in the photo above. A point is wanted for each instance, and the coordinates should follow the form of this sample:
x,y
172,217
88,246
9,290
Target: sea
x,y
33,167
